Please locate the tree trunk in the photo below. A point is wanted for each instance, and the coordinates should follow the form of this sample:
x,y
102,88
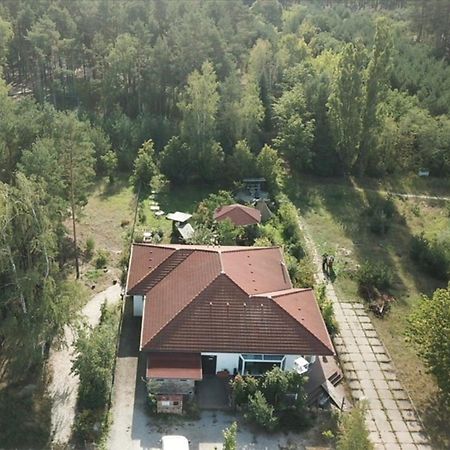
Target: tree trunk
x,y
72,205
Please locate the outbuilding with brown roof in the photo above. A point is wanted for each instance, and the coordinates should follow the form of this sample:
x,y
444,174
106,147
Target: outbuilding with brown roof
x,y
240,215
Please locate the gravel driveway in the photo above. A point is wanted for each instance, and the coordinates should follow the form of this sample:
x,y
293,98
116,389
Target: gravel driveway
x,y
64,385
134,429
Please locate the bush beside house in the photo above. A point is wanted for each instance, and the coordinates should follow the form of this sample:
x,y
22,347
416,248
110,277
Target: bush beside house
x,y
94,364
273,402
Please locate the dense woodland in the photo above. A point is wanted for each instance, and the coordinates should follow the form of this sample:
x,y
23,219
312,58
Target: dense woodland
x,y
200,92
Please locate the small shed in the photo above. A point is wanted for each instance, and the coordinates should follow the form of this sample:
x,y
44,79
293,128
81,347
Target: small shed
x,y
254,185
181,229
253,190
265,211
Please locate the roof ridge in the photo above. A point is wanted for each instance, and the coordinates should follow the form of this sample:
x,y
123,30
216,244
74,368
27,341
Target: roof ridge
x,y
181,310
304,327
150,244
250,248
149,274
281,292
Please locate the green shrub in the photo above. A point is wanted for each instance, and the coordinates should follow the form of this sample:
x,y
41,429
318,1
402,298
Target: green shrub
x,y
289,223
90,246
432,256
372,276
230,437
88,425
327,310
261,413
142,218
301,272
379,223
101,260
96,352
380,212
243,388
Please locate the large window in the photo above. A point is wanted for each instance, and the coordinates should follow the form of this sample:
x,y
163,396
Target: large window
x,y
257,365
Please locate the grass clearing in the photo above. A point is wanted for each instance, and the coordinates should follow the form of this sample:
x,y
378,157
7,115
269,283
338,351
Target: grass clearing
x,y
108,217
335,214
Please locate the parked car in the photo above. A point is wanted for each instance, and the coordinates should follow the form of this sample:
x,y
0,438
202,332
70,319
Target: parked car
x,y
173,442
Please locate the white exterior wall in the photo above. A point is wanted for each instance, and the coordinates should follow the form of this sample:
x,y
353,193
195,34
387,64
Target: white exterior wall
x,y
138,305
230,361
227,361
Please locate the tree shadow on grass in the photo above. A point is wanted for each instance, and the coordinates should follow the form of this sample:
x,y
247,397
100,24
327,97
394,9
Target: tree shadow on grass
x,y
111,189
347,203
436,418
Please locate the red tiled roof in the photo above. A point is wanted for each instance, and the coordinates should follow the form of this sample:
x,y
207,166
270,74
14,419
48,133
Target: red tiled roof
x,y
238,214
302,306
223,318
174,365
173,293
143,260
227,299
257,269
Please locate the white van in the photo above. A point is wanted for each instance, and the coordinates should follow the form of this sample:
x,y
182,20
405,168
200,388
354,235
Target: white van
x,y
173,442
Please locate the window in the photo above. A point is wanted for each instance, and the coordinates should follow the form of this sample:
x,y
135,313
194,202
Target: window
x,y
257,365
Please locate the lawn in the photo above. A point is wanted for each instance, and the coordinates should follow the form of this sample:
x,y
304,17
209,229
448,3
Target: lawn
x,y
334,212
108,217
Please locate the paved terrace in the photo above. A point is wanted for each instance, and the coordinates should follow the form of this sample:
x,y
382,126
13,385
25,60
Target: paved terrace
x,y
391,419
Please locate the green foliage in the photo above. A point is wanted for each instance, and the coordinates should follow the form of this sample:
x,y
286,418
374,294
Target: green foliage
x,y
94,363
243,388
90,247
110,162
230,437
429,331
327,310
289,223
36,302
380,213
353,433
144,167
205,210
346,104
277,399
270,167
261,412
227,232
296,133
102,259
241,163
176,163
372,276
433,256
96,353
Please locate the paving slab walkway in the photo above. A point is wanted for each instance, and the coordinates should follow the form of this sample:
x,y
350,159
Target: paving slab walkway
x,y
392,420
63,387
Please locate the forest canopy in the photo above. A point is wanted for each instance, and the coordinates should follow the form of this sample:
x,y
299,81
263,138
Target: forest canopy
x,y
335,87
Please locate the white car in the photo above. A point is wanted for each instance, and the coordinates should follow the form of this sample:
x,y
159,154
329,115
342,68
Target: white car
x,y
174,442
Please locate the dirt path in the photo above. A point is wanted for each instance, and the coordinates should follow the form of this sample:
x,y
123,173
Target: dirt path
x,y
403,195
64,385
391,419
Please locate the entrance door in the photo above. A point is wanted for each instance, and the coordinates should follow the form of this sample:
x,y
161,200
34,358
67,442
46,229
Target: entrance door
x,y
209,364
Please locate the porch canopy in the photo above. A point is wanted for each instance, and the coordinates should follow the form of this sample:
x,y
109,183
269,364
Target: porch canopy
x,y
174,365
